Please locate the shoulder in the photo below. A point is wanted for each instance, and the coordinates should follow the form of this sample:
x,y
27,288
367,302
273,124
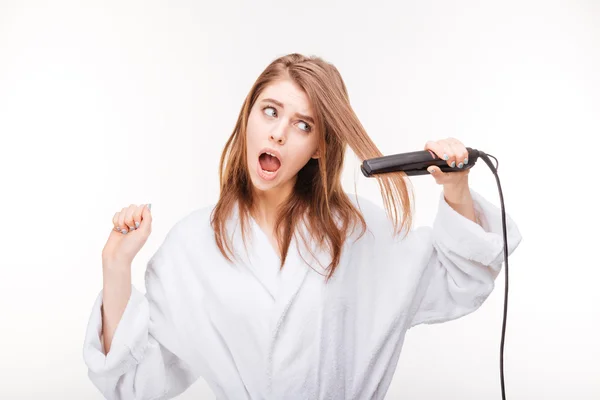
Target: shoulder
x,y
196,220
368,207
381,225
191,230
374,214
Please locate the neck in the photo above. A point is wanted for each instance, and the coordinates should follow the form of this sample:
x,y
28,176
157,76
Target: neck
x,y
267,203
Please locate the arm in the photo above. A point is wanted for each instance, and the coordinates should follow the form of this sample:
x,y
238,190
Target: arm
x,y
143,361
460,199
466,260
116,293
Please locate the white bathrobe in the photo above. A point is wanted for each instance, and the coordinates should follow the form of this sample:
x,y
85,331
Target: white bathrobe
x,y
253,332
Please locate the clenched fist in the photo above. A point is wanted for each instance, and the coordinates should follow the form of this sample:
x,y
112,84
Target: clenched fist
x,y
132,226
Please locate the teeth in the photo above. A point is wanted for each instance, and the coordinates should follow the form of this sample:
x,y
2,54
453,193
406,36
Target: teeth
x,y
273,155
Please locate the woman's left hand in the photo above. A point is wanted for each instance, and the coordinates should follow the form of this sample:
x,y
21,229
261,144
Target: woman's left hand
x,y
456,155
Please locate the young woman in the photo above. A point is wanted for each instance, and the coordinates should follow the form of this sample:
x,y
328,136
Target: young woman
x,y
288,287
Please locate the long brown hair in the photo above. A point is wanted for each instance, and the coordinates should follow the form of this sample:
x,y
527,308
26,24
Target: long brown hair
x,y
317,197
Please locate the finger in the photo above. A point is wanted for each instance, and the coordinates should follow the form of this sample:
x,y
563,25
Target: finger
x,y
436,172
122,224
462,154
115,222
129,217
137,216
438,148
447,146
457,157
462,157
146,222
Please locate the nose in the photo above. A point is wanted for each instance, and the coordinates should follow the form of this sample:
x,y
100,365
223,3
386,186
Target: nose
x,y
278,136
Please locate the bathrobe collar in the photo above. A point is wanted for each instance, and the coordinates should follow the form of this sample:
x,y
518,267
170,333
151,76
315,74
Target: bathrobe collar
x,y
259,256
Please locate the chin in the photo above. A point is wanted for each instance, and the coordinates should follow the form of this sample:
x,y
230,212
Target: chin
x,y
261,184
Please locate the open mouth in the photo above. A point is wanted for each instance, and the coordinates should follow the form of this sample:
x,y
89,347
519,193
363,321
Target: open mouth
x,y
269,163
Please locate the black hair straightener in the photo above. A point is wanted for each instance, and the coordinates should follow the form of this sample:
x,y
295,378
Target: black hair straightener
x,y
414,163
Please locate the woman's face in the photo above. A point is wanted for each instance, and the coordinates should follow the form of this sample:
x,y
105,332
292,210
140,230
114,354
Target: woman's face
x,y
281,123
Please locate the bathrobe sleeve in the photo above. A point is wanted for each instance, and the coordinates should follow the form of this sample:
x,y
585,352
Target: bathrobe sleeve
x,y
143,361
466,259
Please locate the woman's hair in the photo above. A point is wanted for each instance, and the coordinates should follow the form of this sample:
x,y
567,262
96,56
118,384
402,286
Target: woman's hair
x,y
317,197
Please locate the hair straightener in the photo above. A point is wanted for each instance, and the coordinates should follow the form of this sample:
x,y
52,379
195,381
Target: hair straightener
x,y
414,163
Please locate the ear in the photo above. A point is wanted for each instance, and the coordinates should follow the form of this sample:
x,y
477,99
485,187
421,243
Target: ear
x,y
316,154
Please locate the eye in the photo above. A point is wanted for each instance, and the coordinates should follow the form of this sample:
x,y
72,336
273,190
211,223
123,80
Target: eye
x,y
272,108
307,129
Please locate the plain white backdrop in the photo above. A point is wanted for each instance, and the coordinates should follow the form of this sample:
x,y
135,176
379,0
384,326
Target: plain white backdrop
x,y
106,104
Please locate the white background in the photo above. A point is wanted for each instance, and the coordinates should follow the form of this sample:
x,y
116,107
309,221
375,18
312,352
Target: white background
x,y
106,104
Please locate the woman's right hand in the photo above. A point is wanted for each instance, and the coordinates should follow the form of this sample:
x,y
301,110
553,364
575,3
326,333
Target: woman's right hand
x,y
132,226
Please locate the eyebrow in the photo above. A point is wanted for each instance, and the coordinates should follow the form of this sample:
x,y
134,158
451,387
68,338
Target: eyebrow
x,y
280,104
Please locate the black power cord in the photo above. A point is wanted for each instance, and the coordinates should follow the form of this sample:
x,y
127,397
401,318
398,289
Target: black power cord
x,y
485,158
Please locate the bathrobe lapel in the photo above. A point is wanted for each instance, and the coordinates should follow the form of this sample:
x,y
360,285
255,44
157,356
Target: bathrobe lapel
x,y
263,263
289,279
